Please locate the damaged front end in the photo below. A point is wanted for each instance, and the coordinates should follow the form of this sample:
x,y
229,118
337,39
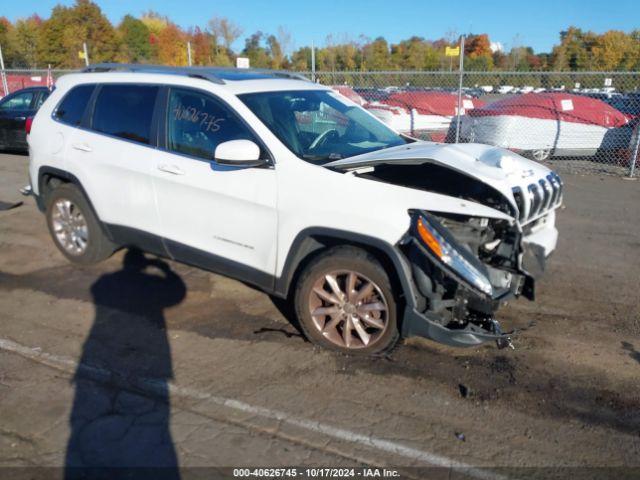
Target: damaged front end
x,y
464,268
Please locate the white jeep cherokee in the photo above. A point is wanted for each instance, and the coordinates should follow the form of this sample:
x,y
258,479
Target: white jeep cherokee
x,y
287,185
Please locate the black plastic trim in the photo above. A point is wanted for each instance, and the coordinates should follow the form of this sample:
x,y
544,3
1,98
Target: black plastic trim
x,y
300,249
221,265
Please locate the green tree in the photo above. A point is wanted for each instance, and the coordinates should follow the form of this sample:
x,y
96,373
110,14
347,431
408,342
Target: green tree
x,y
258,55
135,37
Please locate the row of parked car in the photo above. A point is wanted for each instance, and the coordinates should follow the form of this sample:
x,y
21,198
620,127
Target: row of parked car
x,y
539,125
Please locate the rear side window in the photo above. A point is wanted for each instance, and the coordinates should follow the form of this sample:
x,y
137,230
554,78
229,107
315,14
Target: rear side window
x,y
20,101
71,109
125,111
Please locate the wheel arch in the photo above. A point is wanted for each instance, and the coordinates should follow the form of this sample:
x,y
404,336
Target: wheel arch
x,y
312,241
47,181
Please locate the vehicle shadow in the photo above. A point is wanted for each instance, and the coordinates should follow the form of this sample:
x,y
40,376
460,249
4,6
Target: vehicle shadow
x,y
116,432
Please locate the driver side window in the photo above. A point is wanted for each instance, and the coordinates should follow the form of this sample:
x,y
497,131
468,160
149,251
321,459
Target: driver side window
x,y
197,124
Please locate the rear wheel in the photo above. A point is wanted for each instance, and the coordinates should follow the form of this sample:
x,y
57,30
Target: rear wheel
x,y
344,301
74,228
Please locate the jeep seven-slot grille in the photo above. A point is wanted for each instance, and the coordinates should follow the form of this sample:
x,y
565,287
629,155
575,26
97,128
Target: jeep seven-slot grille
x,y
539,197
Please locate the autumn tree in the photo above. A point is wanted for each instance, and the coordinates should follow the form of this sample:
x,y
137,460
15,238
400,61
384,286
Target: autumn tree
x,y
156,23
301,59
376,55
62,35
11,56
477,46
611,51
24,40
202,44
172,46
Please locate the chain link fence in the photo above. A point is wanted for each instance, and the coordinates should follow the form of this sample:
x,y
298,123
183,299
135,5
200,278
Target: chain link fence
x,y
575,121
586,122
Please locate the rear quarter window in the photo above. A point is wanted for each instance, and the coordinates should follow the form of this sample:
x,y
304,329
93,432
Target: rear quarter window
x,y
73,105
125,111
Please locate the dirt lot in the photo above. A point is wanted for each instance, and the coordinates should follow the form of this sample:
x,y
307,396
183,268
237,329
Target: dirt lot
x,y
176,366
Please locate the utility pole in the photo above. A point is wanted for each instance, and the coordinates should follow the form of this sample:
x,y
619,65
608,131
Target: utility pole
x,y
5,85
189,53
460,88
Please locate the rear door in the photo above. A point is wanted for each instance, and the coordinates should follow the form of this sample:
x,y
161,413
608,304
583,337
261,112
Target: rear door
x,y
221,218
112,155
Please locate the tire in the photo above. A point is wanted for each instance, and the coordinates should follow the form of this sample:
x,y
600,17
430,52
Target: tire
x,y
353,323
81,239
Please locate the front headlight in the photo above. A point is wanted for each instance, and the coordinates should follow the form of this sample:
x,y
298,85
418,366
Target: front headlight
x,y
432,235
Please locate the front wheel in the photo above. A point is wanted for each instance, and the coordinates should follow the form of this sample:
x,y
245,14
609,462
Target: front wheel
x,y
344,302
74,228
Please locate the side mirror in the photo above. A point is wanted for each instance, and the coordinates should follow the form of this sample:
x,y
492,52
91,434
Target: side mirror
x,y
238,153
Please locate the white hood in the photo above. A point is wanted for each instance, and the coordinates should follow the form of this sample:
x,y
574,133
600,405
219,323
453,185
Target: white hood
x,y
497,167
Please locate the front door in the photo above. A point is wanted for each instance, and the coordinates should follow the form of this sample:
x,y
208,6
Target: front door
x,y
217,217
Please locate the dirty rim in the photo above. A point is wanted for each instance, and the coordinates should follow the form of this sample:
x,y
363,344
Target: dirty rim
x,y
348,309
69,226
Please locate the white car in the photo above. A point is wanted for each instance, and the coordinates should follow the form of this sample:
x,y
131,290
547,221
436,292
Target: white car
x,y
287,185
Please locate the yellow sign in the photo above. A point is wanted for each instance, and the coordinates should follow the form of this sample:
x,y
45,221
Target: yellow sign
x,y
452,51
81,54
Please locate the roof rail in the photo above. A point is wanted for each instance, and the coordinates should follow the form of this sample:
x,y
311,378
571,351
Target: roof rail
x,y
214,74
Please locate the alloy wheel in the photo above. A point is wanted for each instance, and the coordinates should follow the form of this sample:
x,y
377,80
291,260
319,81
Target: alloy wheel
x,y
69,226
348,309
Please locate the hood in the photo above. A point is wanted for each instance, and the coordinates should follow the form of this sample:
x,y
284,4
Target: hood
x,y
497,167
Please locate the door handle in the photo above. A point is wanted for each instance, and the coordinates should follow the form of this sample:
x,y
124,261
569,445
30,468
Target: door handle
x,y
21,118
83,147
173,169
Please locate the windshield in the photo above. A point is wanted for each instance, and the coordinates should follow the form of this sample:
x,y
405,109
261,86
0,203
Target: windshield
x,y
320,126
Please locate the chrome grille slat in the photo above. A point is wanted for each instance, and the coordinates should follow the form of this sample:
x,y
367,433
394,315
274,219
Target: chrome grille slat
x,y
547,193
555,186
535,198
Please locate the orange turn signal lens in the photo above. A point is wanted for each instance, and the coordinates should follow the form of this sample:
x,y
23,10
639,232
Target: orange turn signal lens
x,y
428,238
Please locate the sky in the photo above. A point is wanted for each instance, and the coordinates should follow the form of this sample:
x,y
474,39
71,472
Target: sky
x,y
512,23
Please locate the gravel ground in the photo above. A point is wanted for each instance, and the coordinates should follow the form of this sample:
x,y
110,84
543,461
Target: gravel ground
x,y
174,366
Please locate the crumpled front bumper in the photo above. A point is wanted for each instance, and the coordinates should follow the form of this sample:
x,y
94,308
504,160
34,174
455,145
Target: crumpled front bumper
x,y
420,324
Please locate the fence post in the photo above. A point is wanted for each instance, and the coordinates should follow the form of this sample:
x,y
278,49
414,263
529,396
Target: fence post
x,y
313,62
5,85
86,53
460,88
634,155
